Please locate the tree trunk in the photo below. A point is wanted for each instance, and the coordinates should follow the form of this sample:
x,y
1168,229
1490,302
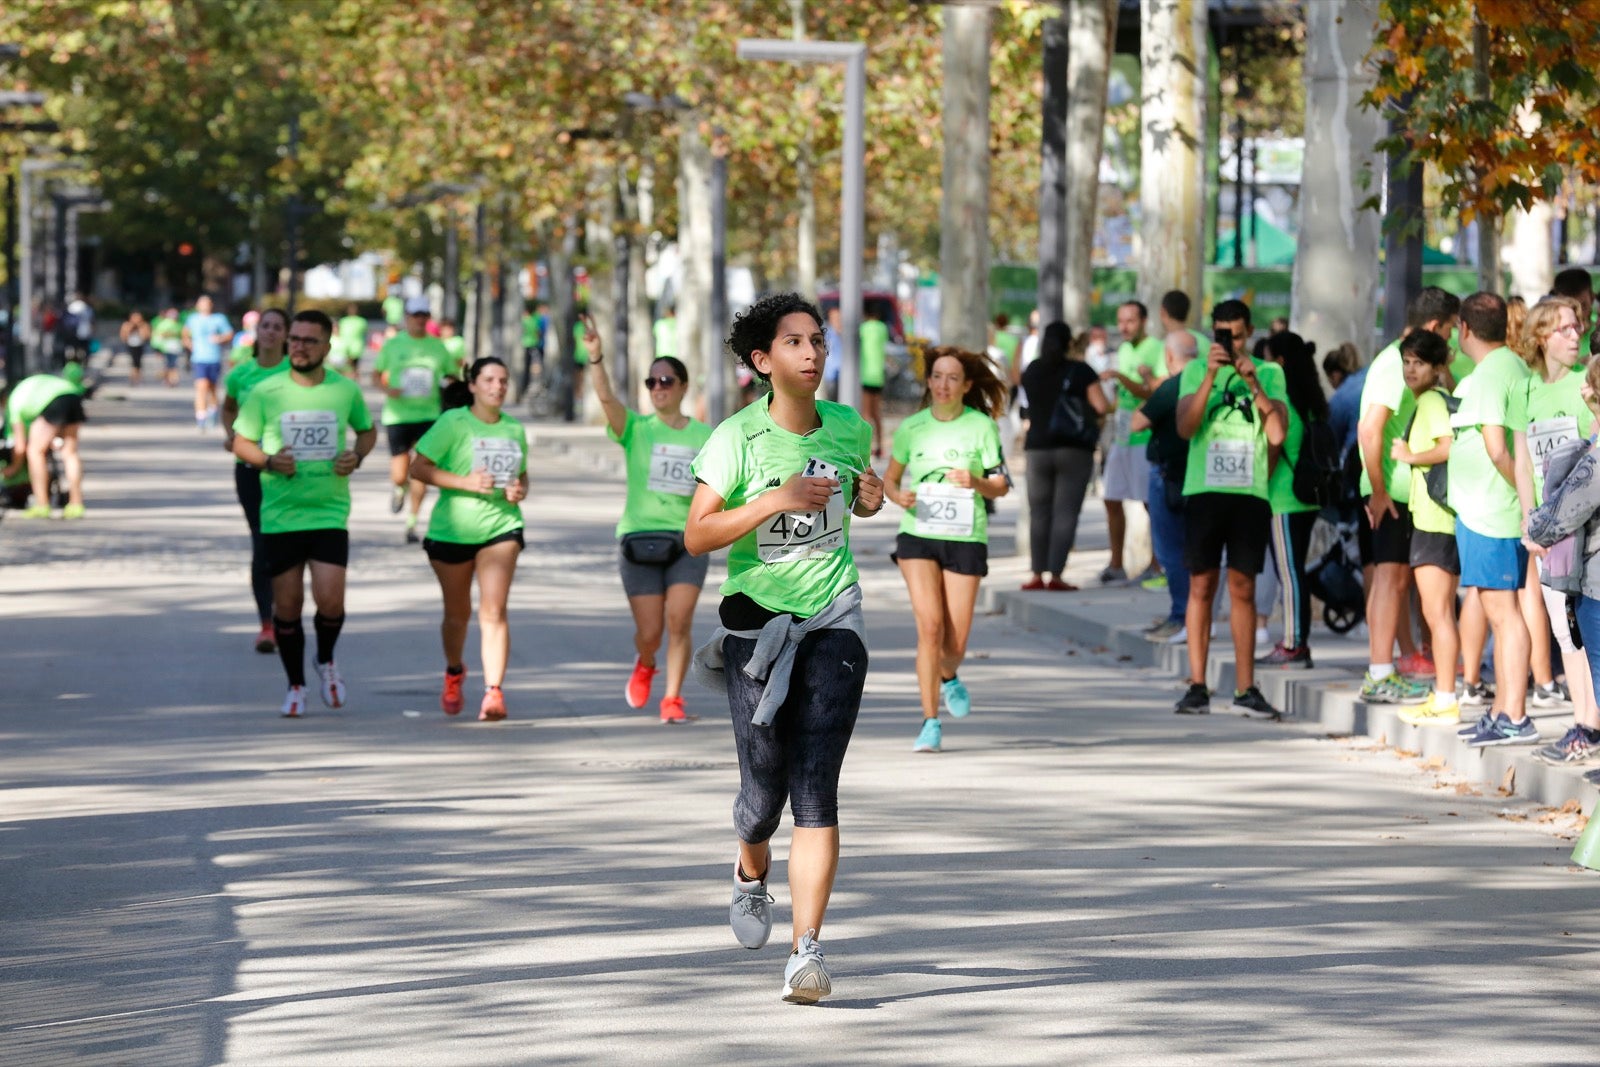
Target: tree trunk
x,y
641,343
1172,147
1335,292
1091,32
1052,174
1532,252
694,251
964,206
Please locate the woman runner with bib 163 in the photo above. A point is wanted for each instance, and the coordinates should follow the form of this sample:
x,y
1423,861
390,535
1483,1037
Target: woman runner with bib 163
x,y
778,483
478,458
662,581
950,454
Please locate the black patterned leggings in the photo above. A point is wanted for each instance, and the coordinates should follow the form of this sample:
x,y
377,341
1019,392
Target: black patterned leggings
x,y
798,758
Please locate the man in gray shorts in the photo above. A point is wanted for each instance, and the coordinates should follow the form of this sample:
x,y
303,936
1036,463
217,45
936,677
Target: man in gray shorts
x,y
1141,364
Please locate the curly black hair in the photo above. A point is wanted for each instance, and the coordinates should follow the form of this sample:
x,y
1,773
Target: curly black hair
x,y
755,328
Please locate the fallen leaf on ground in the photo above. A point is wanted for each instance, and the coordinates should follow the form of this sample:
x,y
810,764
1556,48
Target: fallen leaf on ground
x,y
1508,782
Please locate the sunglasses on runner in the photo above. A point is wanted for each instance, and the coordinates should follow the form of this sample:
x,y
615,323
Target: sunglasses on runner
x,y
666,381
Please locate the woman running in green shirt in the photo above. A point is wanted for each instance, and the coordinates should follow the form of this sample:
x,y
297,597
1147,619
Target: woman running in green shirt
x,y
477,456
661,580
949,451
779,482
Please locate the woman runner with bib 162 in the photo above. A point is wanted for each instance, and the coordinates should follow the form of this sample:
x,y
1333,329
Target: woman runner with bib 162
x,y
478,458
662,581
778,484
949,452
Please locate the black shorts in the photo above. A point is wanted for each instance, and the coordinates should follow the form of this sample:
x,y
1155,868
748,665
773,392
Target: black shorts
x,y
454,552
1390,542
136,356
1430,549
957,557
1233,521
64,410
403,436
285,551
872,390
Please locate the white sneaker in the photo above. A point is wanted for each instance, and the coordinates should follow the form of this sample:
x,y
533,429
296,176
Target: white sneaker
x,y
332,684
1263,638
294,702
750,914
1182,636
805,976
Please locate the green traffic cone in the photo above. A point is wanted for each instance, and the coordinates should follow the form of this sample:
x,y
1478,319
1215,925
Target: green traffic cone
x,y
1587,851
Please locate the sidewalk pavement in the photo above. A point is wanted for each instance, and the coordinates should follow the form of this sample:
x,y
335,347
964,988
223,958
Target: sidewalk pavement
x,y
1113,618
1081,876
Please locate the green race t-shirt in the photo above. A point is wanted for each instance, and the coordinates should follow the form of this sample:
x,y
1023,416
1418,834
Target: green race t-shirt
x,y
1431,422
457,347
246,376
460,443
1007,343
530,330
665,332
1228,454
1280,483
1151,353
1461,364
241,352
31,396
874,346
785,565
1386,385
312,420
928,449
394,310
166,335
1548,414
660,472
415,366
1483,500
350,337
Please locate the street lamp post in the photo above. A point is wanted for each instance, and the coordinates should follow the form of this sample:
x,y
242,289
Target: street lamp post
x,y
852,213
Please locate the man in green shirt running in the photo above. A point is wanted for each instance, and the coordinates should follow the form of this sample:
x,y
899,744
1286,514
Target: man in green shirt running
x,y
411,369
293,428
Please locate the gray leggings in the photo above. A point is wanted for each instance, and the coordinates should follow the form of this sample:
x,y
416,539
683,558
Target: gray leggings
x,y
797,758
1058,478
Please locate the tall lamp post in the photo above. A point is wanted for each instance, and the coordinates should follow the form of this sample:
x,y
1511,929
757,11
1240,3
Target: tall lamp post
x,y
852,201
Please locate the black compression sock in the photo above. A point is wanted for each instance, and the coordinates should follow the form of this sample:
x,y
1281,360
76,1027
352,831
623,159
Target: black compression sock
x,y
291,649
327,635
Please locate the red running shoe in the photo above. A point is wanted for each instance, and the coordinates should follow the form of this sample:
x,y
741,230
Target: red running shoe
x,y
1416,665
1034,583
451,700
672,710
493,708
639,683
1056,585
267,640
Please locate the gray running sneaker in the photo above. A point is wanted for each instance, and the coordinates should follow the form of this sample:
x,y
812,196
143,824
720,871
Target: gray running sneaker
x,y
805,976
750,914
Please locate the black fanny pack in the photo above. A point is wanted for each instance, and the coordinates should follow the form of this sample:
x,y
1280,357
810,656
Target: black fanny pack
x,y
652,548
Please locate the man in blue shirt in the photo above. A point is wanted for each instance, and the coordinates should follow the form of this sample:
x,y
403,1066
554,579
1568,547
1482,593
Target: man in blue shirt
x,y
204,335
1344,410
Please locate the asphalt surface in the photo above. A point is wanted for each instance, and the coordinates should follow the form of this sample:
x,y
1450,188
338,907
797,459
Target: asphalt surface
x,y
186,878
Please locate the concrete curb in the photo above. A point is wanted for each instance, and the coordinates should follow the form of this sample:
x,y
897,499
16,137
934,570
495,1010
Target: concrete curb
x,y
1324,697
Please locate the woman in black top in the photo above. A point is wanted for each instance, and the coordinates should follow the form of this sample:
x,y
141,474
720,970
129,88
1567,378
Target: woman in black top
x,y
1064,403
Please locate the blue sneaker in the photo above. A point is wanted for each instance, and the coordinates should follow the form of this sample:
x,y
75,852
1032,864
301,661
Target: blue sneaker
x,y
954,695
1485,722
1505,732
928,740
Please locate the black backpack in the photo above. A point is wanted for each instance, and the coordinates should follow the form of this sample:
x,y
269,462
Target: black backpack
x,y
1319,470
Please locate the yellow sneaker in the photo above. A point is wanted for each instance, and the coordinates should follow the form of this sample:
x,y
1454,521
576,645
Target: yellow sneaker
x,y
72,511
1438,711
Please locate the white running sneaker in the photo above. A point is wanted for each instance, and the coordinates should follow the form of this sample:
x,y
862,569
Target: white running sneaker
x,y
294,703
805,976
750,914
332,684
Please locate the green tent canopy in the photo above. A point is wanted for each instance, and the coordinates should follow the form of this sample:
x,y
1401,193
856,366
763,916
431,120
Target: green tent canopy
x,y
1275,248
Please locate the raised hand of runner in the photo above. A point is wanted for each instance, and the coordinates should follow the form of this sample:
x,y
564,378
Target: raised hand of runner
x,y
800,493
591,339
869,492
282,462
479,481
345,463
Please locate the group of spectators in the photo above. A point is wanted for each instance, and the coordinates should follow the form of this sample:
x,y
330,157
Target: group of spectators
x,y
1438,457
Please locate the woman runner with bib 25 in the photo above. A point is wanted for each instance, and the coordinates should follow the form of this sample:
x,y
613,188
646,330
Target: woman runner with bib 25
x,y
477,456
950,454
662,581
778,483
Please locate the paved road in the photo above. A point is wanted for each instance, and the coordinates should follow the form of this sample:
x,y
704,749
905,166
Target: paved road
x,y
185,878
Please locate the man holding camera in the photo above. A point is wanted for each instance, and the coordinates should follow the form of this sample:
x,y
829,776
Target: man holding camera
x,y
1233,410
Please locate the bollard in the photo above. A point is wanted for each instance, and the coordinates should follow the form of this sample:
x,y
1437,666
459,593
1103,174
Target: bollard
x,y
1587,851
